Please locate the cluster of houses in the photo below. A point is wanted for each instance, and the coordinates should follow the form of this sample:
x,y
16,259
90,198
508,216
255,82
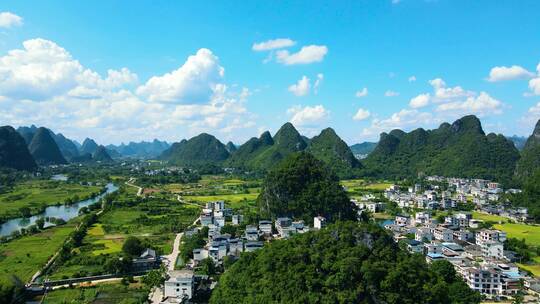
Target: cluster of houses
x,y
486,196
478,255
221,245
180,286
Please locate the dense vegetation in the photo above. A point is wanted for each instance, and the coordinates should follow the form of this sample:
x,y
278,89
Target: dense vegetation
x,y
530,197
13,150
345,263
265,152
200,150
333,151
302,187
530,155
461,149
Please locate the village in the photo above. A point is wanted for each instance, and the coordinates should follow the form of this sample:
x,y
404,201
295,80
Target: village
x,y
181,285
477,252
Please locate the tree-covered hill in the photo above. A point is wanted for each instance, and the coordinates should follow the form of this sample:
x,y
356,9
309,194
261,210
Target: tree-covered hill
x,y
286,141
244,157
461,149
14,151
203,149
347,262
44,149
530,155
265,152
333,151
67,147
303,187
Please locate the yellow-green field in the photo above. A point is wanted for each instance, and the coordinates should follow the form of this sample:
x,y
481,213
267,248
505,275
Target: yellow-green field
x,y
361,184
530,233
233,198
488,217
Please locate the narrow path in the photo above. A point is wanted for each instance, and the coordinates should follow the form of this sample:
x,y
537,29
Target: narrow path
x,y
130,183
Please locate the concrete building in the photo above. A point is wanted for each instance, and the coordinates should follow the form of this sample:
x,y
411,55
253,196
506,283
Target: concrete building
x,y
180,285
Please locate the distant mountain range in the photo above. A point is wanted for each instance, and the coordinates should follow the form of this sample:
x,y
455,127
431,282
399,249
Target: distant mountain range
x,y
264,152
458,149
362,150
142,149
519,141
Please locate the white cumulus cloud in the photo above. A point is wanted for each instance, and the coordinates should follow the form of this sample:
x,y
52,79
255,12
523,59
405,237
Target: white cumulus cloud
x,y
307,54
534,84
308,116
420,101
194,82
273,44
412,78
300,88
503,73
8,20
362,93
361,114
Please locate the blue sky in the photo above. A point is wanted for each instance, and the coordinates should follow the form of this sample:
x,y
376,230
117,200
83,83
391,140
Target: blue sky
x,y
255,65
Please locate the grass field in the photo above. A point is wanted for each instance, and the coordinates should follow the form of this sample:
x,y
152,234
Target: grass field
x,y
488,217
26,255
360,184
232,198
37,194
530,233
105,293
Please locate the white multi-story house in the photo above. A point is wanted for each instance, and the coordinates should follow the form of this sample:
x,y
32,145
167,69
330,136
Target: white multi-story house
x,y
179,285
423,234
490,235
265,227
492,250
443,234
251,233
485,281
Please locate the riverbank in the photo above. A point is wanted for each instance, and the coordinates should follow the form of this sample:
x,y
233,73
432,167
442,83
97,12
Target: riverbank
x,y
32,197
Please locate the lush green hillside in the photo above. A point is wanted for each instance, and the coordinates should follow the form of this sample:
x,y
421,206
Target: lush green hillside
x,y
287,140
302,187
333,151
202,149
364,148
344,263
530,155
461,149
244,156
44,149
102,155
13,150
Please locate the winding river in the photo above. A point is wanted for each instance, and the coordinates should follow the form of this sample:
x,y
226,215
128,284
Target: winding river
x,y
65,212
